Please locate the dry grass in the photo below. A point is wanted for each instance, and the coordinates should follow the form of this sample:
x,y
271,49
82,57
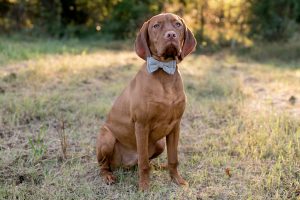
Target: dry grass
x,y
240,135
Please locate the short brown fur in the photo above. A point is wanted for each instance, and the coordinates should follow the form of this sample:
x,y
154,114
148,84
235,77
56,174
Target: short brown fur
x,y
150,108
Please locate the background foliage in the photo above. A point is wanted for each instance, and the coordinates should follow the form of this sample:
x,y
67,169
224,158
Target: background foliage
x,y
222,22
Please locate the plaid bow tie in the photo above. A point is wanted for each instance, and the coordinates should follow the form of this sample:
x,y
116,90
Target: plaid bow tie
x,y
153,65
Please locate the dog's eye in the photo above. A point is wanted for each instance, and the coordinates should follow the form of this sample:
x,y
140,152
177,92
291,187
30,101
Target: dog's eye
x,y
156,26
178,24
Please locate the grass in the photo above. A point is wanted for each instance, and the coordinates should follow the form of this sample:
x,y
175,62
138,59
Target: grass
x,y
20,48
240,134
278,54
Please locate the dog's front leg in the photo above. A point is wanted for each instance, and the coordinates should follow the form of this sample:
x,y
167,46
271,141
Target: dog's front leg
x,y
142,136
172,145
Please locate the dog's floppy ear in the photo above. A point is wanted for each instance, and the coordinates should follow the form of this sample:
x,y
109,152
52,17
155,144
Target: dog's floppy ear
x,y
189,42
141,44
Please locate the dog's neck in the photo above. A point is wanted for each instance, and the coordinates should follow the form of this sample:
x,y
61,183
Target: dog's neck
x,y
163,59
168,81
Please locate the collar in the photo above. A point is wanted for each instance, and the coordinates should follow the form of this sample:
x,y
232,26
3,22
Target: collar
x,y
153,65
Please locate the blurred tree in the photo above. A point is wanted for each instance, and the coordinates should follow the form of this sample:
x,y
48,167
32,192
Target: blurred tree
x,y
48,17
127,16
13,14
273,20
214,22
201,6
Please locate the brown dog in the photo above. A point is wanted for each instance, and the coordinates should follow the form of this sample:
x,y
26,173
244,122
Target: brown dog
x,y
151,106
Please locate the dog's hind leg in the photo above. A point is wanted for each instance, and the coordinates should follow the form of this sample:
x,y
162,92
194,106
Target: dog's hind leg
x,y
158,149
105,149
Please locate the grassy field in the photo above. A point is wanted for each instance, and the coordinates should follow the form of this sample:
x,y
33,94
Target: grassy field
x,y
240,134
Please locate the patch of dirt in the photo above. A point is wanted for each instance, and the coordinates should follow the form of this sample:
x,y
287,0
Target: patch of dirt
x,y
10,77
2,90
250,79
266,96
12,68
9,176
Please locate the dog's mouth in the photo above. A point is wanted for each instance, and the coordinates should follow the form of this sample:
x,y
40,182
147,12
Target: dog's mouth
x,y
171,51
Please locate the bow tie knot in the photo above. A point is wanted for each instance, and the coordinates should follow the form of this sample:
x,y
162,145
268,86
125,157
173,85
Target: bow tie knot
x,y
153,65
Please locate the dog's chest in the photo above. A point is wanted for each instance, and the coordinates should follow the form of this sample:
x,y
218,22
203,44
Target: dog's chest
x,y
165,108
164,114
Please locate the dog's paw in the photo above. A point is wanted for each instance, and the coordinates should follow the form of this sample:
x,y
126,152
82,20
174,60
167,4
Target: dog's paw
x,y
109,178
179,180
144,186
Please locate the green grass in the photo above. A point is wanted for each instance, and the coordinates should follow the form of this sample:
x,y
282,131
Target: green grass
x,y
240,134
18,48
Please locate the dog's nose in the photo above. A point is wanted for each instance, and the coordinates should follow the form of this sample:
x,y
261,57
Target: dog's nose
x,y
170,35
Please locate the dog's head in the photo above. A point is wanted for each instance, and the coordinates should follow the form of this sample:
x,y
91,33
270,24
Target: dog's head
x,y
165,37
